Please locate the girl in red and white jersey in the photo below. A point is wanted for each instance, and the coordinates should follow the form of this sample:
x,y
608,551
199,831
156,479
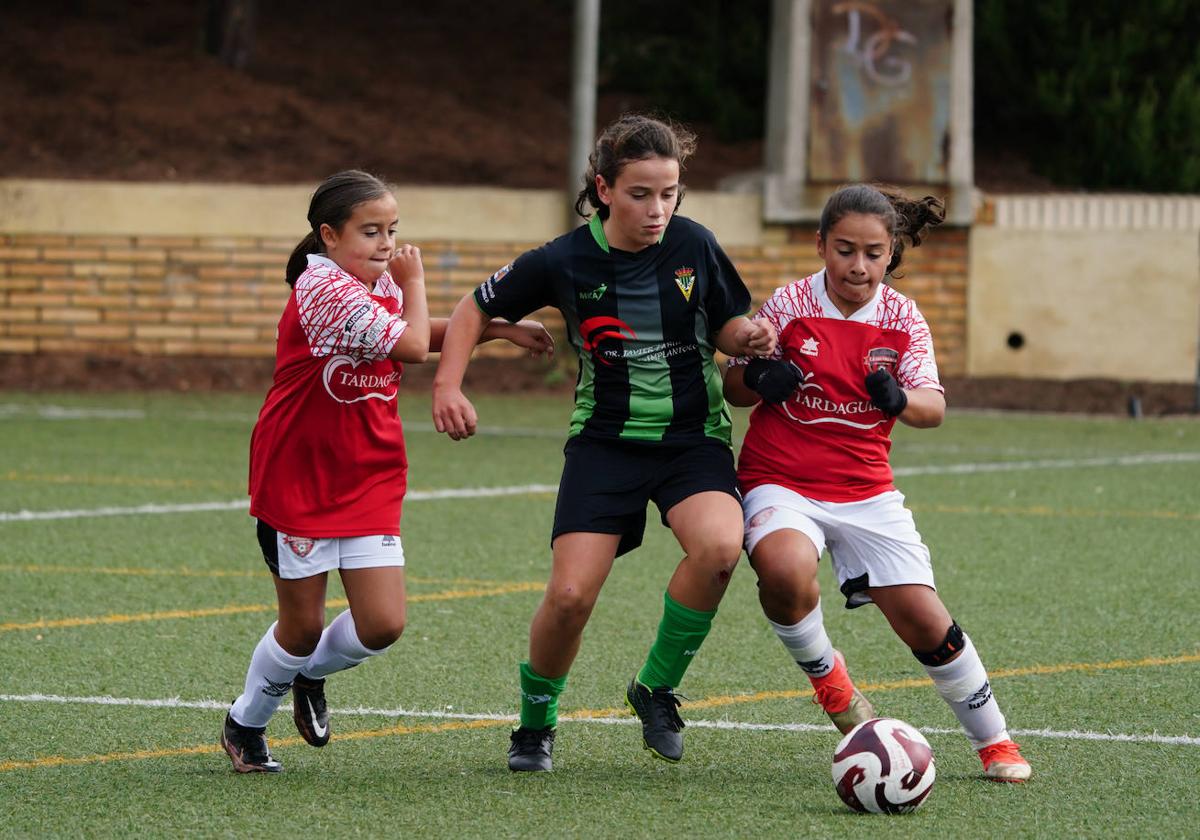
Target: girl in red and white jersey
x,y
854,356
328,469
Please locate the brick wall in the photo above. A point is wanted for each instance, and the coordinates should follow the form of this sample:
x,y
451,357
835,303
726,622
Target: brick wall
x,y
218,296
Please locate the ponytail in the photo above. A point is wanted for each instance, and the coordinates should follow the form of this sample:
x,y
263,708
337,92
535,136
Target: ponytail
x,y
915,218
298,261
905,218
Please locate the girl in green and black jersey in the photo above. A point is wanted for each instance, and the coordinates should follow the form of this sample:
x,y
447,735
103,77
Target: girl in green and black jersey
x,y
647,297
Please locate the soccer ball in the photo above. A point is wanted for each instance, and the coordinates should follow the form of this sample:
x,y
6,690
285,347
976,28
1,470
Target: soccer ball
x,y
883,766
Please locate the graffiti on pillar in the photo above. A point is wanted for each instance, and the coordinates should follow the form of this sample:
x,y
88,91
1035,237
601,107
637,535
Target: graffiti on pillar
x,y
880,101
874,51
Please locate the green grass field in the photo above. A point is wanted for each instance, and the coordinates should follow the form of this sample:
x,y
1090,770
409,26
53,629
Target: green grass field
x,y
1066,546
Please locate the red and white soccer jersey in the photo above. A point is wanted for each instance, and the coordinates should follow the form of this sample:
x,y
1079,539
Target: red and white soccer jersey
x,y
327,454
827,441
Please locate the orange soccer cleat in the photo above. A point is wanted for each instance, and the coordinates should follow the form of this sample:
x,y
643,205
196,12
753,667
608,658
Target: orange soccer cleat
x,y
836,694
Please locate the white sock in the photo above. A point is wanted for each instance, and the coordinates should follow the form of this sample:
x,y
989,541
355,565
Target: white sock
x,y
338,649
808,643
269,678
964,684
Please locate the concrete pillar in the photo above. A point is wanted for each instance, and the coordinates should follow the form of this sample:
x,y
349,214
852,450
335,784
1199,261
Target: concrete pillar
x,y
583,99
787,108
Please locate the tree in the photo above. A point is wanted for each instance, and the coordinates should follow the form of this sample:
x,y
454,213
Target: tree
x,y
1102,94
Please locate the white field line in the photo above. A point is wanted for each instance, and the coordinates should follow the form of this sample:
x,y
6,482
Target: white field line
x,y
528,489
244,504
217,705
1052,464
60,412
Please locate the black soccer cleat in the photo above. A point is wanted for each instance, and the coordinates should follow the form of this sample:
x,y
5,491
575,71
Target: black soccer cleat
x,y
530,749
661,723
247,748
309,710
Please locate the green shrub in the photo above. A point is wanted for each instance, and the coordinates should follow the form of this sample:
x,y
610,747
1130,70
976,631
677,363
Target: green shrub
x,y
703,61
1102,94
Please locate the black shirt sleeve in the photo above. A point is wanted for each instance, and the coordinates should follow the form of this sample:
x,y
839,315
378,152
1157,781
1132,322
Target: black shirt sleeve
x,y
727,296
521,287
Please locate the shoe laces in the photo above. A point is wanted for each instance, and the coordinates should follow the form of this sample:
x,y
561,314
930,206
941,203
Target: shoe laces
x,y
525,739
663,705
1006,752
827,694
834,691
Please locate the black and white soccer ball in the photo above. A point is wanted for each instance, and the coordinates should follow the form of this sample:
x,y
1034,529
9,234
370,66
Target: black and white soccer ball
x,y
883,766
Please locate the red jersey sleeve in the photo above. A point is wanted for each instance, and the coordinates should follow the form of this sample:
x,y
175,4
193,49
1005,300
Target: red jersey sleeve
x,y
918,366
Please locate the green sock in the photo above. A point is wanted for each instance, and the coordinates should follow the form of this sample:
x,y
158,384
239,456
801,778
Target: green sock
x,y
539,698
680,634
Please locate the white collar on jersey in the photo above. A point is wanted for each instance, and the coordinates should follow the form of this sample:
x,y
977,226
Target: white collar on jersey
x,y
321,259
829,310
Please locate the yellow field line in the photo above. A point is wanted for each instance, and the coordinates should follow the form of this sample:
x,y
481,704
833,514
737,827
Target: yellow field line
x,y
134,755
895,685
235,609
706,703
918,682
1041,510
184,571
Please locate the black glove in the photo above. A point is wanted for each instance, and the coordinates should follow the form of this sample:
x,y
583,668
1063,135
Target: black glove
x,y
886,393
773,379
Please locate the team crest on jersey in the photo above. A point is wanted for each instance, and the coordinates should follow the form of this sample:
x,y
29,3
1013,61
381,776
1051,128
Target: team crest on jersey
x,y
881,358
809,347
300,546
685,279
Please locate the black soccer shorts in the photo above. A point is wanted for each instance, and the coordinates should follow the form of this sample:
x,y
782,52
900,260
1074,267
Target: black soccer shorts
x,y
606,485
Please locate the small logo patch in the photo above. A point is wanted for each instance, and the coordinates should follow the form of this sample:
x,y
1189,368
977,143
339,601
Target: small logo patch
x,y
276,689
685,279
881,358
300,546
593,294
595,330
980,697
761,518
486,288
814,667
389,541
809,347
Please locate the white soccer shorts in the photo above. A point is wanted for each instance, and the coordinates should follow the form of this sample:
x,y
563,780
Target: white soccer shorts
x,y
873,542
301,557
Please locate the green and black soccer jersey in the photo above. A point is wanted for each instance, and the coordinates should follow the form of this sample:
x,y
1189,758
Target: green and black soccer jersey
x,y
642,323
